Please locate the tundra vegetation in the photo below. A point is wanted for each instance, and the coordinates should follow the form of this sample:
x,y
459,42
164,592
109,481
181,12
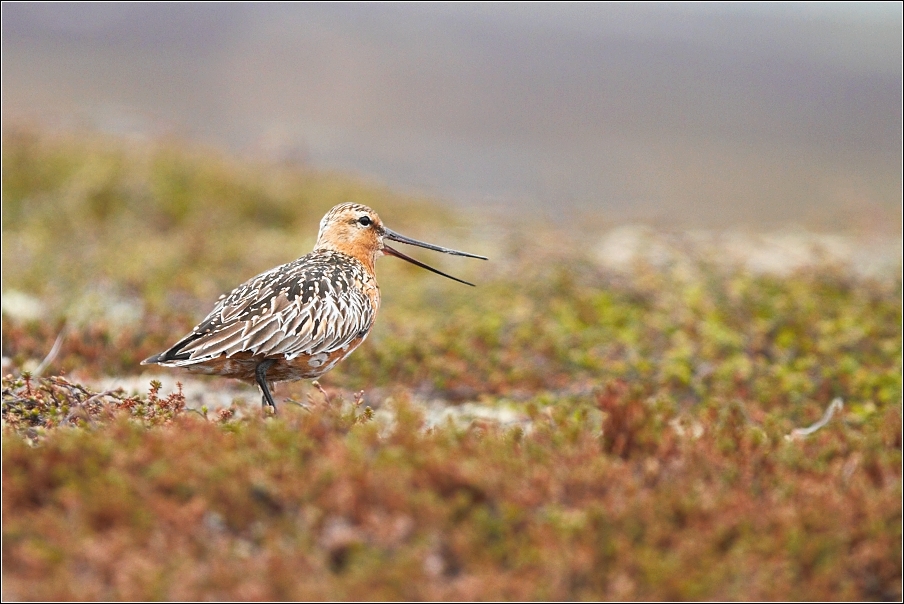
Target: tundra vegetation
x,y
653,446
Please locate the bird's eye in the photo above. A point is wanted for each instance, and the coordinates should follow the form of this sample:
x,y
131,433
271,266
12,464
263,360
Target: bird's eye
x,y
365,221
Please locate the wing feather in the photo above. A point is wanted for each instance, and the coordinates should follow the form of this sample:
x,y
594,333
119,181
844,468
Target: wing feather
x,y
260,335
314,304
217,343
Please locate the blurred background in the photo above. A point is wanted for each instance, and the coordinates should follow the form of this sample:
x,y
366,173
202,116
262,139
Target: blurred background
x,y
693,219
696,115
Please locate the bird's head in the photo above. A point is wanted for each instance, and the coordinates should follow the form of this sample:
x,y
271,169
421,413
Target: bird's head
x,y
356,230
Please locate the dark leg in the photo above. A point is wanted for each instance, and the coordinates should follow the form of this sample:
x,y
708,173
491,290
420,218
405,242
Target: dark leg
x,y
260,374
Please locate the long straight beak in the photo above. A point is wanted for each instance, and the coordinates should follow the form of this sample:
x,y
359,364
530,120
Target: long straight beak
x,y
390,234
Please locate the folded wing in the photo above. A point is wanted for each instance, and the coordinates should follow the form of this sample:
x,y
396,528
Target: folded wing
x,y
308,306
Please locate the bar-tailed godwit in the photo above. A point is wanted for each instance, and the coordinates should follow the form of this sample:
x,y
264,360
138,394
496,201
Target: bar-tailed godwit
x,y
298,320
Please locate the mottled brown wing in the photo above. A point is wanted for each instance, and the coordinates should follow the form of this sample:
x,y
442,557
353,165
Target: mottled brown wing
x,y
312,305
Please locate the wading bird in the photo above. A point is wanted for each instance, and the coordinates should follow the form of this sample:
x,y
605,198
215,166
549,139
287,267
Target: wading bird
x,y
298,320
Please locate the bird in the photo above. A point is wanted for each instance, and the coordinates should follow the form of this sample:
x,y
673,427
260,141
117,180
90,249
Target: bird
x,y
298,320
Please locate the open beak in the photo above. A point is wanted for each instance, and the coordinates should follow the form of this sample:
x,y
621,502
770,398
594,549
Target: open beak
x,y
390,234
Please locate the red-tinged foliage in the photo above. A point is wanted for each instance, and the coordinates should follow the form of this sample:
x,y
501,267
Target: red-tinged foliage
x,y
33,405
324,504
92,350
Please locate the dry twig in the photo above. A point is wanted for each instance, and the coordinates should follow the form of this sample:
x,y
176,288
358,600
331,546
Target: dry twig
x,y
836,405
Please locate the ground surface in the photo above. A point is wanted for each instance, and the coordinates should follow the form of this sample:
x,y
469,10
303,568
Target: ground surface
x,y
613,413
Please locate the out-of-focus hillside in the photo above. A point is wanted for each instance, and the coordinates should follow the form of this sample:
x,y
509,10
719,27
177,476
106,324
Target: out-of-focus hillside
x,y
692,115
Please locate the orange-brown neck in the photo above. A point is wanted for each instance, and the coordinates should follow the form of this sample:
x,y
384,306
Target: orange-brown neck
x,y
364,252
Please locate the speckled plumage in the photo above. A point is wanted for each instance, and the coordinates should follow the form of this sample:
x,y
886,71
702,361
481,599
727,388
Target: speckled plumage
x,y
301,311
299,319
